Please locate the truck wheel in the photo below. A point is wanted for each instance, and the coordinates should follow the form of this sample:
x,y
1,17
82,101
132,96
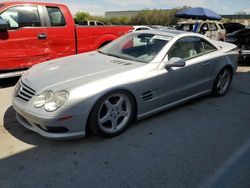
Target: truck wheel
x,y
222,82
105,43
112,114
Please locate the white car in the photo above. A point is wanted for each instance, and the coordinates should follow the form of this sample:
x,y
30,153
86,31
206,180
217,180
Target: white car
x,y
212,29
141,27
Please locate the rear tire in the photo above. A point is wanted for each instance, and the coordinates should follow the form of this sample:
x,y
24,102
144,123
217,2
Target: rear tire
x,y
222,82
112,114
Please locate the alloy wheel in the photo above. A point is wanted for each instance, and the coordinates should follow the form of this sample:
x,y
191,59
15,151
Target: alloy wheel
x,y
114,113
224,80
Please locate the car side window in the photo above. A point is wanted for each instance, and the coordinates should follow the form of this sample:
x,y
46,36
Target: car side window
x,y
213,27
22,16
208,48
221,26
99,23
91,23
186,48
56,17
187,27
83,22
138,29
204,28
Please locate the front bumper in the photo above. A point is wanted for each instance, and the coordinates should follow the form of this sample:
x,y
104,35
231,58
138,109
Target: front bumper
x,y
245,53
51,127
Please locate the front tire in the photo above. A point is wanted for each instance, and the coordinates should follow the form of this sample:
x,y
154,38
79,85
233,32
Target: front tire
x,y
222,82
112,114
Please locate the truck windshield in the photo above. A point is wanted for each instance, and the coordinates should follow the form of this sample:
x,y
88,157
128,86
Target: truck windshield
x,y
137,46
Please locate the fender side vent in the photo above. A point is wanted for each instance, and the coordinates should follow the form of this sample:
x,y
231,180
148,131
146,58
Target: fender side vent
x,y
148,95
120,62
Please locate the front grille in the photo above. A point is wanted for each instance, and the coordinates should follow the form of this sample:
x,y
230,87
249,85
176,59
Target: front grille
x,y
24,92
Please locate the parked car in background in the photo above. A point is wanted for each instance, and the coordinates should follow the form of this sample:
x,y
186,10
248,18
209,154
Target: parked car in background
x,y
33,32
156,26
141,27
212,29
104,90
242,39
232,27
91,23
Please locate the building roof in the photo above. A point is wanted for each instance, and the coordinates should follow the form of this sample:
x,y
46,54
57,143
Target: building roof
x,y
235,16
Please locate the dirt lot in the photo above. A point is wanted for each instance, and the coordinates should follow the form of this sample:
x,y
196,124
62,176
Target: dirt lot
x,y
205,143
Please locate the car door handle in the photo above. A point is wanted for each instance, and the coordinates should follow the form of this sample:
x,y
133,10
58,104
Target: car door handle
x,y
206,63
42,36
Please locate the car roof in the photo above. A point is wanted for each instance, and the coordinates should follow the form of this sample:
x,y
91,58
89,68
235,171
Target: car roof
x,y
166,32
142,26
174,33
10,3
199,21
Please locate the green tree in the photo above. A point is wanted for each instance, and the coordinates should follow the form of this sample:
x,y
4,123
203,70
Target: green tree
x,y
144,17
81,16
155,17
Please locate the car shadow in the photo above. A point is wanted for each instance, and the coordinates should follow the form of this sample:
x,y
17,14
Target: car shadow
x,y
8,82
30,137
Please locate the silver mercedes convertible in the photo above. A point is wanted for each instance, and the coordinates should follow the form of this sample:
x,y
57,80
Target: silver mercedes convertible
x,y
133,77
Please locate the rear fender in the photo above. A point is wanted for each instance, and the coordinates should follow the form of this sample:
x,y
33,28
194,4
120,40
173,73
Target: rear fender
x,y
224,46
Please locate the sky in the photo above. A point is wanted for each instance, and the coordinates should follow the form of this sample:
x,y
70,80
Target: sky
x,y
99,7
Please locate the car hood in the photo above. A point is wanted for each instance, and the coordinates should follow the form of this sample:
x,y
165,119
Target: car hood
x,y
75,70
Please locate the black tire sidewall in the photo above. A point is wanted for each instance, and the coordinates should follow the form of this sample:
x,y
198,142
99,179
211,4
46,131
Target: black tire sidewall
x,y
215,89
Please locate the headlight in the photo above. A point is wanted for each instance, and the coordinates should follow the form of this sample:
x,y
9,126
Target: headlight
x,y
41,99
53,102
50,101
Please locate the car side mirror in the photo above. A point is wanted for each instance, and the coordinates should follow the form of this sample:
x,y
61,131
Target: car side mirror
x,y
175,62
4,25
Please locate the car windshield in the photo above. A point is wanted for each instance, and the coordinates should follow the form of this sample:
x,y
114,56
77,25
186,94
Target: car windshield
x,y
142,47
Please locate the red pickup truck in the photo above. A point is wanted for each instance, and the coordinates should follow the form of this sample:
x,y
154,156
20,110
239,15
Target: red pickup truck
x,y
32,32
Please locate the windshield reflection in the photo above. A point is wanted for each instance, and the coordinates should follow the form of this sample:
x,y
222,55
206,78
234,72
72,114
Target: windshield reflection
x,y
141,47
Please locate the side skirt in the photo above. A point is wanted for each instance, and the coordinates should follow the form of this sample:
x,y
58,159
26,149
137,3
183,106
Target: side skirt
x,y
173,104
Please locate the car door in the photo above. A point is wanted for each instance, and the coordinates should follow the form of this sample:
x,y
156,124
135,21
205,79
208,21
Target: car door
x,y
61,31
214,31
177,83
25,44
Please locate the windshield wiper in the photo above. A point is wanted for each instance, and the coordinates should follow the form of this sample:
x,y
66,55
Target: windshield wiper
x,y
114,55
121,57
101,52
